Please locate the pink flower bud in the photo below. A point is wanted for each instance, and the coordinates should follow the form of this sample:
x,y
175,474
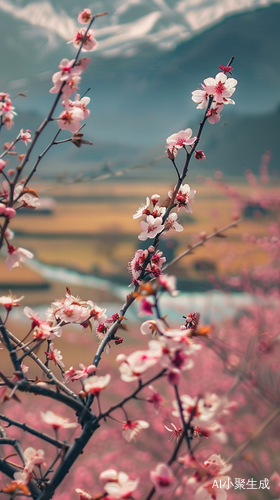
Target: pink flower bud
x,y
85,16
118,340
173,376
155,198
200,155
151,249
10,172
10,212
3,164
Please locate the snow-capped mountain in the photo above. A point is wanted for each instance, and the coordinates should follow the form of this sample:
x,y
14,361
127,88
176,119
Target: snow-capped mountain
x,y
162,23
151,54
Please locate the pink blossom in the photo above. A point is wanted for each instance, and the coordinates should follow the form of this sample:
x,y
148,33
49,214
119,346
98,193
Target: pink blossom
x,y
81,103
83,494
17,256
25,136
83,63
221,86
70,120
70,310
89,43
142,210
169,284
9,302
83,372
200,97
152,326
3,164
84,17
9,212
68,375
150,228
156,399
184,198
214,489
171,222
133,366
42,326
93,385
213,114
118,484
32,458
163,479
56,421
146,307
131,429
55,355
181,139
66,73
98,314
176,433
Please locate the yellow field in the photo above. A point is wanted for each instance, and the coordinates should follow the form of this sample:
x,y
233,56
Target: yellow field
x,y
99,235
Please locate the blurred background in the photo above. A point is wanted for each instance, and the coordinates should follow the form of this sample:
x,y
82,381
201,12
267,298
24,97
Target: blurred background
x,y
151,55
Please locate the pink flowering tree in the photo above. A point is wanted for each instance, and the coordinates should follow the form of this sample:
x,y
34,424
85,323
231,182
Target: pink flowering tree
x,y
163,376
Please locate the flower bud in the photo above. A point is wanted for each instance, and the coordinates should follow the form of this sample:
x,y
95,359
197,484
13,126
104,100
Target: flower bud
x,y
173,376
10,212
200,155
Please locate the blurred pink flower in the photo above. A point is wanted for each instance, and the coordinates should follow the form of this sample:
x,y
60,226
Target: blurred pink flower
x,y
163,479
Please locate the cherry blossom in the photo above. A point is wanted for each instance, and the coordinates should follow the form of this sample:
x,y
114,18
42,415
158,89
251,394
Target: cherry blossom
x,y
85,37
184,198
156,399
152,326
41,327
84,17
94,384
131,429
213,489
181,139
98,314
171,223
70,120
84,371
142,210
150,228
83,494
168,283
9,302
136,265
81,103
17,255
25,136
56,421
163,479
69,310
221,86
176,432
66,73
32,458
55,355
133,366
3,164
213,114
118,484
69,374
